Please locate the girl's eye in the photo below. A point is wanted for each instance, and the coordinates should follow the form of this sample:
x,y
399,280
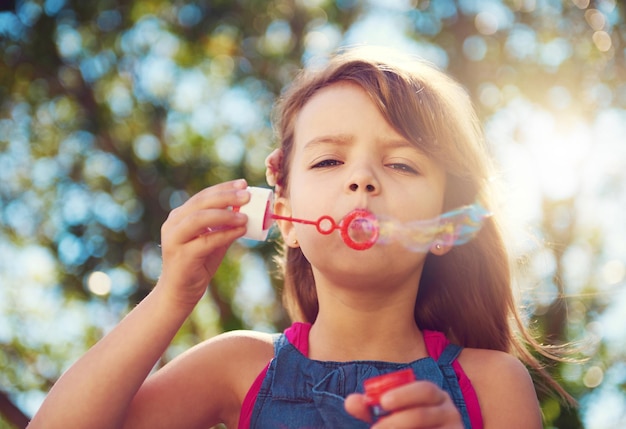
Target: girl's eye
x,y
327,163
403,167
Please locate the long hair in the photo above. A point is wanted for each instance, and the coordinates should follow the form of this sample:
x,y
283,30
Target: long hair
x,y
467,292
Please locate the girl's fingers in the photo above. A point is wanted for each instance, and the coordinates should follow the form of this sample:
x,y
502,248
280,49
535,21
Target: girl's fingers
x,y
442,416
204,248
413,394
419,394
223,195
419,404
356,406
208,210
196,235
202,223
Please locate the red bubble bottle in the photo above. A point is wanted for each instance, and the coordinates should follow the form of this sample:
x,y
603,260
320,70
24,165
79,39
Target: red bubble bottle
x,y
375,387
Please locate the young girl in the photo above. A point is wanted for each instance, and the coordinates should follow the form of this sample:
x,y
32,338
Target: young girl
x,y
393,136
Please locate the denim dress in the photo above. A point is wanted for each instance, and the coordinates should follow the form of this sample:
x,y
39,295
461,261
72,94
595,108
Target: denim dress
x,y
298,392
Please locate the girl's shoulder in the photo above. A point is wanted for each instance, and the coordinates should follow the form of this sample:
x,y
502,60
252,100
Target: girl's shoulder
x,y
484,362
241,340
234,349
243,354
504,387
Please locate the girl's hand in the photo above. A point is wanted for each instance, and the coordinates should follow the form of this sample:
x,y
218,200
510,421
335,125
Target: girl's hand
x,y
195,237
419,404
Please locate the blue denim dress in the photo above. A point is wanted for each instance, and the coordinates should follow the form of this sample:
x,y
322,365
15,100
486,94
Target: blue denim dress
x,y
298,392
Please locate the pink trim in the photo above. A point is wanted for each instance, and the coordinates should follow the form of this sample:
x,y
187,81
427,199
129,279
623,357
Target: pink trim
x,y
435,343
248,402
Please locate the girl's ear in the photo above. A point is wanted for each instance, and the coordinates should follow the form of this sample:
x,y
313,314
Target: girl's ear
x,y
288,232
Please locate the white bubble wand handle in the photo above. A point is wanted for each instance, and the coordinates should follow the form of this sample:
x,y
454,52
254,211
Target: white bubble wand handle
x,y
259,210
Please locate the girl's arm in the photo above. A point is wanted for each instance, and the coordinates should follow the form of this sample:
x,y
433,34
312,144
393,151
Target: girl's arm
x,y
97,391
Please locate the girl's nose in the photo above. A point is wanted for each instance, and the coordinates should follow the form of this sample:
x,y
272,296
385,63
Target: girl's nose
x,y
364,181
368,187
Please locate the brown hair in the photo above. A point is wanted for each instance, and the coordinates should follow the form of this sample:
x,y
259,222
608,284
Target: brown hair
x,y
467,292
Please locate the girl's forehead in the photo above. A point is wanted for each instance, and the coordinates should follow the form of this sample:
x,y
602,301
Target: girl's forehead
x,y
337,118
335,92
341,110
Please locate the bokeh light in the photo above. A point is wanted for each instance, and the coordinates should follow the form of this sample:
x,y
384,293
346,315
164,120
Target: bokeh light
x,y
99,283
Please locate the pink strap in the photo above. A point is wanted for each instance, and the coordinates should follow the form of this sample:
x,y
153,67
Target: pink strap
x,y
298,336
436,342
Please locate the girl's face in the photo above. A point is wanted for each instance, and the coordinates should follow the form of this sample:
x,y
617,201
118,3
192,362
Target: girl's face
x,y
345,157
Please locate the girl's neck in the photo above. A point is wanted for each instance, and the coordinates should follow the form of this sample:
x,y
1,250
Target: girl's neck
x,y
388,333
367,318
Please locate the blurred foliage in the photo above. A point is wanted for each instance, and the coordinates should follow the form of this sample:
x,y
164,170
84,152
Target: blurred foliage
x,y
114,112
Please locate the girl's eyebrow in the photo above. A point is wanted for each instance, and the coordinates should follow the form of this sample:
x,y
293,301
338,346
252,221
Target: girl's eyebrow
x,y
399,144
347,139
402,143
334,139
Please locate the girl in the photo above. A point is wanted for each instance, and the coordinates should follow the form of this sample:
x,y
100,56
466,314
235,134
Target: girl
x,y
368,131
